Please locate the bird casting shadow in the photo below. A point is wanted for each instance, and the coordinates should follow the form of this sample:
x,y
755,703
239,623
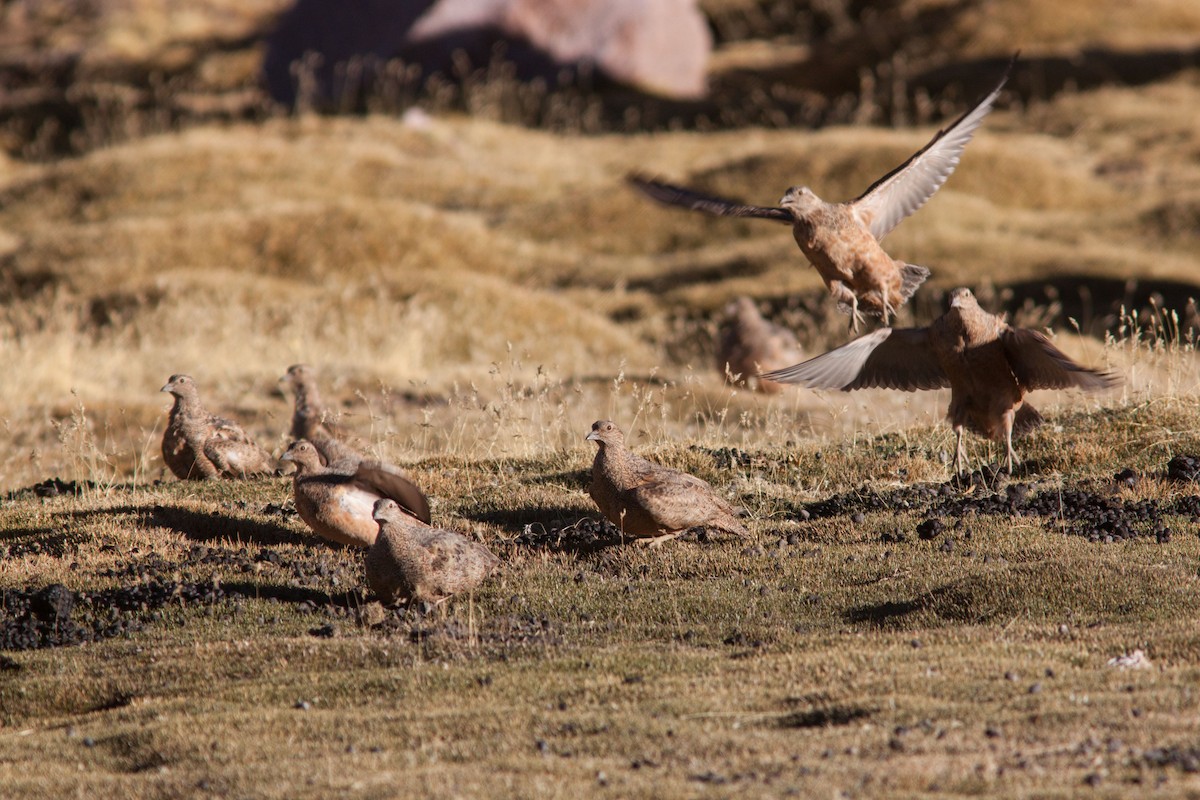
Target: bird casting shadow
x,y
207,526
297,595
884,615
824,717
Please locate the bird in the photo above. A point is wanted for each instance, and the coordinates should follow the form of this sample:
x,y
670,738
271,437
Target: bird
x,y
647,501
843,240
312,422
197,445
337,500
988,365
414,561
749,344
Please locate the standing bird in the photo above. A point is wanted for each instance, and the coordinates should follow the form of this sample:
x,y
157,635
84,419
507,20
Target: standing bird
x,y
749,345
337,500
650,502
413,561
842,240
988,365
198,445
311,421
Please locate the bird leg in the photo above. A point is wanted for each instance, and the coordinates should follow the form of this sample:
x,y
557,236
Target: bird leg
x,y
960,455
889,311
656,541
1011,454
844,296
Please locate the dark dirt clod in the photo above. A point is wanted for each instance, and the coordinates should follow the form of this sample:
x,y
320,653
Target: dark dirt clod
x,y
930,529
1184,468
1091,511
1127,478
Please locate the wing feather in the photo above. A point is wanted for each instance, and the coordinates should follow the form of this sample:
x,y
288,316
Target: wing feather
x,y
1038,364
673,195
386,481
906,188
888,359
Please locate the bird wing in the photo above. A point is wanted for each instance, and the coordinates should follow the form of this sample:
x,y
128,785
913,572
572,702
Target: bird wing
x,y
906,188
234,456
674,501
1038,364
386,481
227,430
889,358
673,195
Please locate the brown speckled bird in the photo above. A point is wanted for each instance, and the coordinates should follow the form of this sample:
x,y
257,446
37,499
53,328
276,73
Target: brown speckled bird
x,y
650,502
413,561
988,365
842,240
312,422
198,445
337,500
748,345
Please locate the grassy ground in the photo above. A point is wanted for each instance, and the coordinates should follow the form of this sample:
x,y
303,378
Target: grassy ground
x,y
827,654
475,294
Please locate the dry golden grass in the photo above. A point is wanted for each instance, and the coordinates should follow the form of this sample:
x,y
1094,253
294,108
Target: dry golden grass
x,y
475,295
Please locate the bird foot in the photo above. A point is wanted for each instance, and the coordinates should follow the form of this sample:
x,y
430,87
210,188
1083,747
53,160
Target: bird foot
x,y
657,541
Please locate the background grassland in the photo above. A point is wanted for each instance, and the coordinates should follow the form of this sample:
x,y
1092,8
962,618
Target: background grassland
x,y
475,293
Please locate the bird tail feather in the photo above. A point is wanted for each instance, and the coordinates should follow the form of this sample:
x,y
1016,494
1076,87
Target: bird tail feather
x,y
911,276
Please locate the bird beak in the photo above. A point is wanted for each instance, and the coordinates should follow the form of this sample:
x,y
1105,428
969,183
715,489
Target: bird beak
x,y
166,388
287,456
592,437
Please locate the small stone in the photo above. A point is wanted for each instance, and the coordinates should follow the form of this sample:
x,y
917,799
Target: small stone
x,y
302,705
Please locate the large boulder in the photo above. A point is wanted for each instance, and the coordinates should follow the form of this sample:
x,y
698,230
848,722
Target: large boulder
x,y
656,46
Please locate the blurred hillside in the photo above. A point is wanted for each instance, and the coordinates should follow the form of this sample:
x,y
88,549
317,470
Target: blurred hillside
x,y
465,264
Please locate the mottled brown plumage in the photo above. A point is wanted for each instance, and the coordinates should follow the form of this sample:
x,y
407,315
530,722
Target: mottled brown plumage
x,y
648,501
413,561
988,365
337,500
749,345
842,240
312,422
198,445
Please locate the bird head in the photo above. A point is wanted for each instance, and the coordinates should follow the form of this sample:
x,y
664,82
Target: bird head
x,y
963,299
605,432
180,386
384,510
799,199
741,308
303,454
298,376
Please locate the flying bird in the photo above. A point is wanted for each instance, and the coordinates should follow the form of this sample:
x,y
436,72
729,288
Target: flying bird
x,y
337,500
843,240
311,420
650,502
988,365
749,344
411,560
197,445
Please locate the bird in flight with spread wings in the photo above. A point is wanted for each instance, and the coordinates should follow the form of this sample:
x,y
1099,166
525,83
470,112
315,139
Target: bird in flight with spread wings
x,y
842,240
989,366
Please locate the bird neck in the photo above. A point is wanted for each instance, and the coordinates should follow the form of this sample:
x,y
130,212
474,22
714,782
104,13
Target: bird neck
x,y
185,405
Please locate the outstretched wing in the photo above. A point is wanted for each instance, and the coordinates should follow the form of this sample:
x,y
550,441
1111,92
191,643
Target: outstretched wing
x,y
1038,364
386,481
906,188
673,195
887,359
